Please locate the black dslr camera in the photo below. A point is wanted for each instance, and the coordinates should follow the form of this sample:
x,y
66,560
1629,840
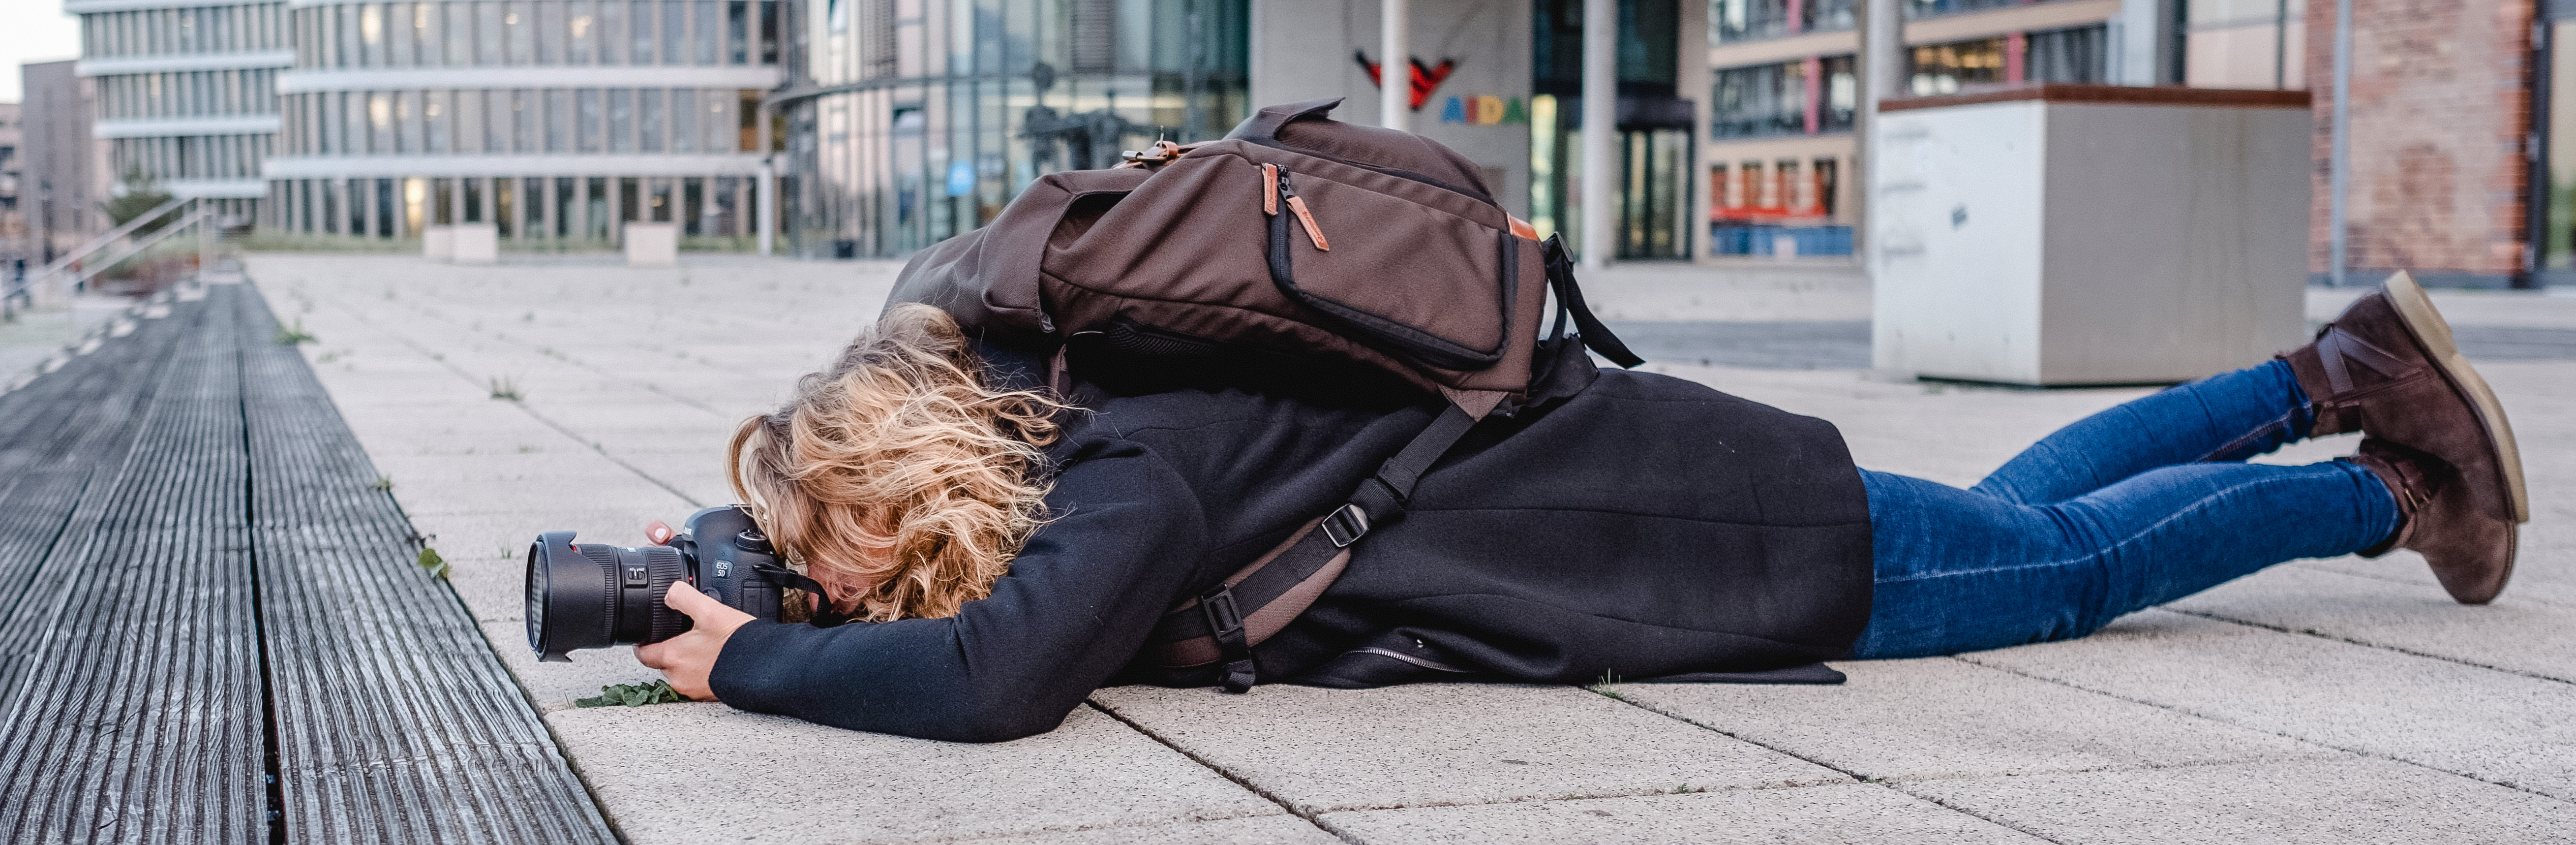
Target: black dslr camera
x,y
595,596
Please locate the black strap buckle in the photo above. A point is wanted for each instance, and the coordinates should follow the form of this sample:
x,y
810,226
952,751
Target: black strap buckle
x,y
1223,618
1225,623
1346,526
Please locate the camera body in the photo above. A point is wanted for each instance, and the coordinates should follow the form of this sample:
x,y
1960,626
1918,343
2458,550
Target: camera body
x,y
594,596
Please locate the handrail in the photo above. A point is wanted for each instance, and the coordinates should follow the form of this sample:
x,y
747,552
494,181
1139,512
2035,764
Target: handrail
x,y
101,242
91,270
27,288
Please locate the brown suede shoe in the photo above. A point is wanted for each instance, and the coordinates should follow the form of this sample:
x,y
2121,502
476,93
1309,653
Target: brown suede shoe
x,y
2387,367
2470,550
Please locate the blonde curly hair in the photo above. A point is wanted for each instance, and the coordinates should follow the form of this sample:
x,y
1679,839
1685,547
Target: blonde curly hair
x,y
900,481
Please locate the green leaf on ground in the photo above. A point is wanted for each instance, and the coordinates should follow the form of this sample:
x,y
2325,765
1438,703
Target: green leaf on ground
x,y
632,695
430,560
287,336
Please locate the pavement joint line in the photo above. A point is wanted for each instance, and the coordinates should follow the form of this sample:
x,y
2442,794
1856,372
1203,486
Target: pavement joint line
x,y
2310,565
1221,771
1989,819
1111,826
551,352
2285,734
576,437
2309,632
1856,777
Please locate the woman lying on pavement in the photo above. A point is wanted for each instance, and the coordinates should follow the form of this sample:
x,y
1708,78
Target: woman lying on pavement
x,y
1003,555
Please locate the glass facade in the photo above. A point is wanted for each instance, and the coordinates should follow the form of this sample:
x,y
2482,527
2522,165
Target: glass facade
x,y
918,120
186,95
553,120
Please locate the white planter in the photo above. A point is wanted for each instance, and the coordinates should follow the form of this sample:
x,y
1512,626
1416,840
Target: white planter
x,y
2082,234
652,244
438,243
474,243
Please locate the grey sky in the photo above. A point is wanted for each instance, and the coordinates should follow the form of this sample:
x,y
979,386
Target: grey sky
x,y
36,31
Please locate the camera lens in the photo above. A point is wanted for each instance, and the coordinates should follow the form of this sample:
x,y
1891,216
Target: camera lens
x,y
595,596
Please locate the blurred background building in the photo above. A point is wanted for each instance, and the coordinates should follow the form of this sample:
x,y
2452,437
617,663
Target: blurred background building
x,y
15,244
1735,118
185,92
62,175
916,120
874,127
554,120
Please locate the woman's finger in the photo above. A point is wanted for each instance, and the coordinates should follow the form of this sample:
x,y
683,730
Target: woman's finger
x,y
685,598
651,655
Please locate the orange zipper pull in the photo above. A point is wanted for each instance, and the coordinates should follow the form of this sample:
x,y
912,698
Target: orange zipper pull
x,y
1298,204
1269,189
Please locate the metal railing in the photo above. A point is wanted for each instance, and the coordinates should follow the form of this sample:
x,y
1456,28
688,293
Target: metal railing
x,y
57,281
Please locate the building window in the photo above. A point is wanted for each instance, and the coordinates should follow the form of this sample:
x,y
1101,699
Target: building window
x,y
708,34
1754,20
648,119
2068,55
621,120
1935,8
580,31
684,120
1804,97
588,119
1944,68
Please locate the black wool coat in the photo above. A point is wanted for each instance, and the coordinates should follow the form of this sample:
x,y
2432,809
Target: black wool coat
x,y
1624,525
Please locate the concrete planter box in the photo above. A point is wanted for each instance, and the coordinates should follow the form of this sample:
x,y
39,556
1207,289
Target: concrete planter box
x,y
652,244
2089,234
474,243
438,243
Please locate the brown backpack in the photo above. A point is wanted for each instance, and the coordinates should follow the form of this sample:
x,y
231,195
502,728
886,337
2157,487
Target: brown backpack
x,y
1299,235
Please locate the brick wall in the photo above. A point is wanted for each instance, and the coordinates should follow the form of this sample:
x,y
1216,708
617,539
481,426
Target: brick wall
x,y
2441,106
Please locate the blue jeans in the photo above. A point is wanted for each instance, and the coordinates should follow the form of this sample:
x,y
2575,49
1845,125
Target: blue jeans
x,y
2129,508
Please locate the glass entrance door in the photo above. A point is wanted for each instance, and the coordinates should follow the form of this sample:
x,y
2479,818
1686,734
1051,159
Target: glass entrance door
x,y
1655,194
1652,199
2555,184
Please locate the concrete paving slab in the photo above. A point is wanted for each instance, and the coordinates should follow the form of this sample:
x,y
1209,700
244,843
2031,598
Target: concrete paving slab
x,y
691,773
1853,813
2513,633
1322,750
2449,716
2351,800
553,686
1257,830
1941,718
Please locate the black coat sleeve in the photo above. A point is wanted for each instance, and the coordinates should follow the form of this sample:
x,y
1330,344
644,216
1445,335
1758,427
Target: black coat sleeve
x,y
1077,604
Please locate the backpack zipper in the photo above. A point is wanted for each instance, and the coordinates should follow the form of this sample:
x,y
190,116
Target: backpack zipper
x,y
1297,205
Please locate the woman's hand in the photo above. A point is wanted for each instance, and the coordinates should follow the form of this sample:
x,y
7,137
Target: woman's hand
x,y
687,659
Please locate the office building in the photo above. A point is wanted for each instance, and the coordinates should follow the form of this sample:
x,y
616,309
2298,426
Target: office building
x,y
554,120
63,175
185,92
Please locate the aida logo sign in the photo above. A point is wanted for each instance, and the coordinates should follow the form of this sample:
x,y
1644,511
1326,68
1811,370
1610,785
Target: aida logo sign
x,y
1484,110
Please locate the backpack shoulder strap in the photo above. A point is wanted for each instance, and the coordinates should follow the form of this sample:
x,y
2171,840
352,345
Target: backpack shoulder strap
x,y
1223,623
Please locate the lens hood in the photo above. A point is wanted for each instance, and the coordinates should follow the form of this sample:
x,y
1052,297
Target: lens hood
x,y
571,597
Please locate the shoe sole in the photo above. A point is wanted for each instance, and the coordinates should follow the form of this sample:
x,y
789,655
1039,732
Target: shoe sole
x,y
2426,323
